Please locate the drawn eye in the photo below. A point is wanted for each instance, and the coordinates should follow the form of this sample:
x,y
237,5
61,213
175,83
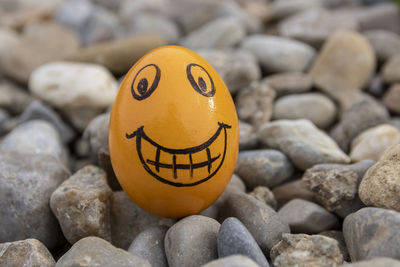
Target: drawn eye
x,y
145,81
200,80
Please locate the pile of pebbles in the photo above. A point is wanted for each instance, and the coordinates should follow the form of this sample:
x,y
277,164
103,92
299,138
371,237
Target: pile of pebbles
x,y
316,85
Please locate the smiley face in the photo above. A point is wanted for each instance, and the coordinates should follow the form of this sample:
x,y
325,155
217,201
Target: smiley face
x,y
173,133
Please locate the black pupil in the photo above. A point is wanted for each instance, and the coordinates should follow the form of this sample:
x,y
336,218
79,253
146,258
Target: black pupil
x,y
142,86
202,84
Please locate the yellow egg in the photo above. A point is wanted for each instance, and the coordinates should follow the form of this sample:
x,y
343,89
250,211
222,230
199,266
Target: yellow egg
x,y
173,133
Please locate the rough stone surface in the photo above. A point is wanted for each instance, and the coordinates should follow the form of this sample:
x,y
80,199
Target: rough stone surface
x,y
344,65
80,90
40,42
264,224
266,167
392,98
128,220
194,239
255,103
385,43
265,195
380,186
28,252
307,217
94,251
338,236
359,117
233,238
82,205
26,183
335,186
314,26
302,142
233,261
371,143
297,106
279,54
306,250
371,233
149,245
291,190
221,33
247,136
13,98
289,83
391,69
238,68
377,262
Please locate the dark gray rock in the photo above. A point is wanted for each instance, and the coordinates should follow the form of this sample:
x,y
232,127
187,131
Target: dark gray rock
x,y
232,261
149,245
372,232
94,251
26,183
192,241
234,238
264,224
29,252
39,111
82,205
338,236
128,220
265,195
266,167
307,217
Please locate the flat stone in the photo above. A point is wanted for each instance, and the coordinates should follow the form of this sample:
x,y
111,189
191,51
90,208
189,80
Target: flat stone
x,y
291,190
40,42
194,239
304,216
359,117
314,26
279,54
392,98
286,8
237,67
232,261
266,167
371,143
94,251
13,98
36,137
371,233
28,252
265,195
149,245
82,205
40,111
220,33
26,183
306,250
118,55
289,83
128,220
81,91
344,65
378,262
247,136
390,70
302,142
264,224
381,183
234,238
255,103
338,236
335,186
385,43
297,106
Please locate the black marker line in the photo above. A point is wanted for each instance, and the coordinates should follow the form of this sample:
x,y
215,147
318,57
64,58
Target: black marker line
x,y
183,166
174,166
157,160
208,159
191,165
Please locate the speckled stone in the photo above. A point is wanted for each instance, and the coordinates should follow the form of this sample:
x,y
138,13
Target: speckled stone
x,y
265,195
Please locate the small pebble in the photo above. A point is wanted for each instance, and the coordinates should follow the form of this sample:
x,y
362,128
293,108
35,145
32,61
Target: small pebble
x,y
233,261
247,136
265,195
338,236
13,98
96,135
289,83
392,98
391,69
285,8
291,190
385,43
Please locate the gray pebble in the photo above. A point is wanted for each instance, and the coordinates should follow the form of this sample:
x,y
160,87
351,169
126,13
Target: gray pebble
x,y
232,261
192,241
385,43
13,98
96,135
149,245
390,70
376,262
265,195
264,224
94,251
247,136
307,217
234,238
291,190
266,167
26,183
82,205
372,232
289,83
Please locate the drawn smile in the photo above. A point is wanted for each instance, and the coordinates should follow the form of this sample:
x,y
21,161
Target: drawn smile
x,y
182,164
